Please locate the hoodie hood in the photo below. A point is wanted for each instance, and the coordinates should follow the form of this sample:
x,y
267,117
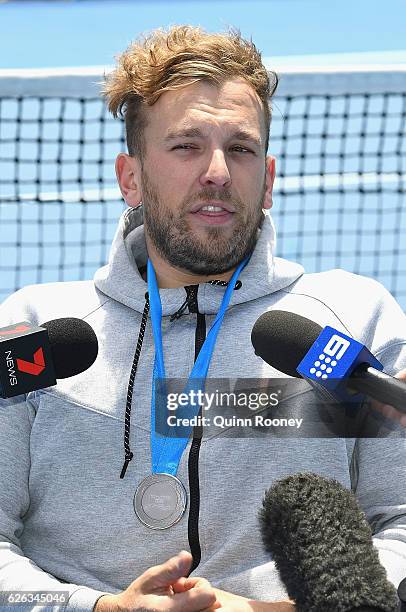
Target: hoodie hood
x,y
121,279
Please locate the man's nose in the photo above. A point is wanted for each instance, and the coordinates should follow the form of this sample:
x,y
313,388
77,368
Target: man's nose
x,y
216,172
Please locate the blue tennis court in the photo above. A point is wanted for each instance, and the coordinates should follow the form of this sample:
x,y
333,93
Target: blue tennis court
x,y
341,148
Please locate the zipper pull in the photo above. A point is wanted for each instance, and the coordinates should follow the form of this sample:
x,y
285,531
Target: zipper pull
x,y
191,291
179,313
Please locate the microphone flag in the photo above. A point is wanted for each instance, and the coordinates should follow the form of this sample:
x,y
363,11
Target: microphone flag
x,y
25,359
331,360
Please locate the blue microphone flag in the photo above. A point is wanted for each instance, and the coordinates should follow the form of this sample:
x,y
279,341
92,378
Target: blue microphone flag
x,y
331,360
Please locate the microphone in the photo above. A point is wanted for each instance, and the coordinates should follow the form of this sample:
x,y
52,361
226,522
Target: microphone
x,y
402,595
322,546
329,359
32,357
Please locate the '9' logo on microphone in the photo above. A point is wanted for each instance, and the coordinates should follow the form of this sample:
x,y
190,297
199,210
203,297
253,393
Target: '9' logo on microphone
x,y
336,346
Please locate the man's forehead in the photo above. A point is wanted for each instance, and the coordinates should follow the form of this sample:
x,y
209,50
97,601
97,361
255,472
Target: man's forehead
x,y
235,102
233,90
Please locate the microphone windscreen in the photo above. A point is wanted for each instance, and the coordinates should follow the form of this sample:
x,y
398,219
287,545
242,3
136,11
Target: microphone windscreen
x,y
73,344
402,594
283,338
322,545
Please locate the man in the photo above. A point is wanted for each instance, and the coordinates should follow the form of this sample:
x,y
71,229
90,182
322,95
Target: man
x,y
90,502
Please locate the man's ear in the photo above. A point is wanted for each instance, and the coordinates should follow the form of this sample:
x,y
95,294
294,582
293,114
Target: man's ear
x,y
128,178
270,177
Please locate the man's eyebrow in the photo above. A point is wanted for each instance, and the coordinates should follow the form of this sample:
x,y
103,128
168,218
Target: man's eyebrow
x,y
183,133
197,133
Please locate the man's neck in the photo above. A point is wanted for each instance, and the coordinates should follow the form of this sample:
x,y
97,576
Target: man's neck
x,y
169,277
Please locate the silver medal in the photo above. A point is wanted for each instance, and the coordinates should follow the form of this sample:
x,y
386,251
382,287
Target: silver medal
x,y
160,501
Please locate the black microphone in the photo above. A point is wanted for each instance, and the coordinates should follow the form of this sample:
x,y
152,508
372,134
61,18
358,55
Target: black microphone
x,y
285,339
402,595
32,357
322,546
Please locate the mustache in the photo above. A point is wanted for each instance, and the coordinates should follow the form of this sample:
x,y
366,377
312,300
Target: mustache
x,y
205,194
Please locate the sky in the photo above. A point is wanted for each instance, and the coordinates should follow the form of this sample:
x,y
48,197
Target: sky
x,y
89,32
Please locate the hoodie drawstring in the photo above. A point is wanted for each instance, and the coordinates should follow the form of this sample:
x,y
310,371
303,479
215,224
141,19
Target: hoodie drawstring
x,y
128,454
221,283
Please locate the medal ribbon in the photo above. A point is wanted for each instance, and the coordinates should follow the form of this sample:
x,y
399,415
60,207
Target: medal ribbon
x,y
166,452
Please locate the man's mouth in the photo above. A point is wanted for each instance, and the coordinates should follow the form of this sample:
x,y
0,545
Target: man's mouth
x,y
213,213
213,206
212,209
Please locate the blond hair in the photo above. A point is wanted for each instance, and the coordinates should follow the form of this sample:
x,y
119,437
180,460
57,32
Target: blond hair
x,y
169,59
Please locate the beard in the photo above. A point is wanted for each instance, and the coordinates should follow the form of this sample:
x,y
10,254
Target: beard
x,y
213,252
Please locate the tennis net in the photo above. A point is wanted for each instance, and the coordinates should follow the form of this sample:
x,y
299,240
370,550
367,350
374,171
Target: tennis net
x,y
339,139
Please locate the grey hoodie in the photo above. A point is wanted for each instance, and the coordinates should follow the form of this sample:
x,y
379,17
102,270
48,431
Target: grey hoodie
x,y
66,518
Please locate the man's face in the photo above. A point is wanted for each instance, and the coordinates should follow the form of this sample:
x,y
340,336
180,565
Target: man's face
x,y
204,148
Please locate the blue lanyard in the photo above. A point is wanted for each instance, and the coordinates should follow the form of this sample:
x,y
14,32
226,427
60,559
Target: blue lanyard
x,y
166,452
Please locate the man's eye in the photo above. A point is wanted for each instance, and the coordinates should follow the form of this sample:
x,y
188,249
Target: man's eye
x,y
242,149
184,147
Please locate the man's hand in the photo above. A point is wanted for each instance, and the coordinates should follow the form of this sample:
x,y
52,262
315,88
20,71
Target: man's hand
x,y
235,603
153,591
389,411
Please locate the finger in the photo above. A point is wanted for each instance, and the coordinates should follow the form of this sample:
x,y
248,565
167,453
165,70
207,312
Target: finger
x,y
198,598
401,374
181,585
384,408
165,574
184,584
398,416
389,412
216,606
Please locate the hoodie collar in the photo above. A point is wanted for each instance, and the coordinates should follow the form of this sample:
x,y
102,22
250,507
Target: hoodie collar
x,y
121,280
